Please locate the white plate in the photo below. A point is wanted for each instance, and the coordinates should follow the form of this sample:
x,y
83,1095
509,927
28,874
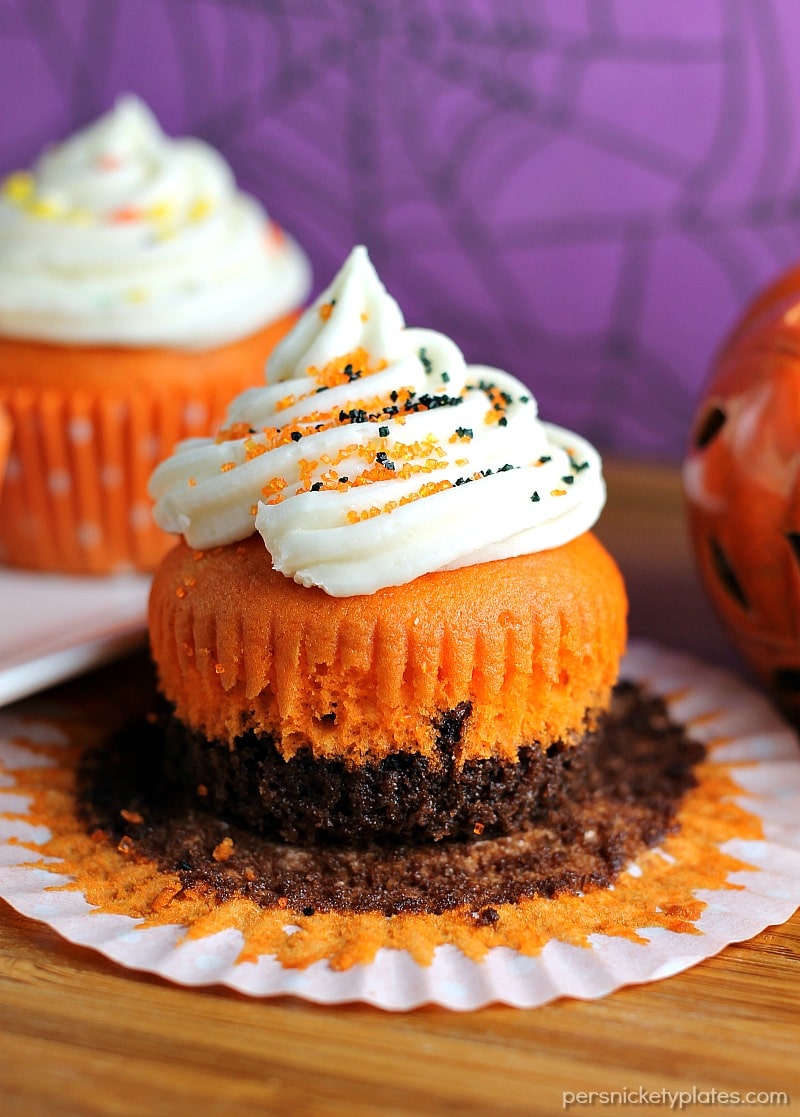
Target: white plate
x,y
53,627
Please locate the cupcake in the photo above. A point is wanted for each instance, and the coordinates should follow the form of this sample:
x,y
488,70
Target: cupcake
x,y
388,619
139,292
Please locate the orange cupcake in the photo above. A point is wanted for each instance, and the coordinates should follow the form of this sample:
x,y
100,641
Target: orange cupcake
x,y
388,619
139,291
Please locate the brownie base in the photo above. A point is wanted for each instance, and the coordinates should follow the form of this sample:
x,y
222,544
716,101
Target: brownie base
x,y
402,798
638,765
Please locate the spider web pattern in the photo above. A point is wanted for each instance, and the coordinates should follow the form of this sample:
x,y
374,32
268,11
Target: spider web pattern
x,y
583,192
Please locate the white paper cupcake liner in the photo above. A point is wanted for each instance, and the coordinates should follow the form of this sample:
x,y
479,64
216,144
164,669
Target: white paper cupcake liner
x,y
760,752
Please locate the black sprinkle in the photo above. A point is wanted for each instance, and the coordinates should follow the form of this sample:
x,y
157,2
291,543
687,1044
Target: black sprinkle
x,y
505,468
464,432
382,458
502,422
295,436
316,486
446,377
568,480
524,399
383,432
544,459
423,356
344,480
535,497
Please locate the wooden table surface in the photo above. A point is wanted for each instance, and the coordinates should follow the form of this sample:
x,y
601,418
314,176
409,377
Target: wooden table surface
x,y
80,1035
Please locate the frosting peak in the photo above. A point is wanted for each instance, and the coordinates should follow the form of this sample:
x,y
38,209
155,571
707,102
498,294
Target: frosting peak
x,y
122,235
376,455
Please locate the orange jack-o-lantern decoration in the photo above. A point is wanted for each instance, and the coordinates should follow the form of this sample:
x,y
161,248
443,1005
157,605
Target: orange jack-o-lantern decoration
x,y
742,483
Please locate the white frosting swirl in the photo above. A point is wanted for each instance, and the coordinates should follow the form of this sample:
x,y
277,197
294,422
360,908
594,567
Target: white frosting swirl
x,y
375,455
124,236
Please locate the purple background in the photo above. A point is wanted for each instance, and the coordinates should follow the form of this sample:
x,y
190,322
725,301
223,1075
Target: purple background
x,y
584,193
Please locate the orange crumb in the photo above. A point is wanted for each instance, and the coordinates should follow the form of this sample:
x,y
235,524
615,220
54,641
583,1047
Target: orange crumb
x,y
223,851
165,896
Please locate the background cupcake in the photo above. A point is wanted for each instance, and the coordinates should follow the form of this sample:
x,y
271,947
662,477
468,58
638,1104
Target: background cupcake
x,y
138,290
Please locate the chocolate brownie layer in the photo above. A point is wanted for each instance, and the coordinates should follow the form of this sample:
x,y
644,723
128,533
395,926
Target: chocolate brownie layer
x,y
635,770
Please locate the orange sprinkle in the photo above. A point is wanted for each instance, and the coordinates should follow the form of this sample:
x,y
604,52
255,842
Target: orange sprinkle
x,y
226,467
334,373
232,434
273,489
558,492
325,311
254,449
192,482
131,816
202,790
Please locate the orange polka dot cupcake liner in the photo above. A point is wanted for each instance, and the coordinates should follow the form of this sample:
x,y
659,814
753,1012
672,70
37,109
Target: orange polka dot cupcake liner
x,y
83,446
